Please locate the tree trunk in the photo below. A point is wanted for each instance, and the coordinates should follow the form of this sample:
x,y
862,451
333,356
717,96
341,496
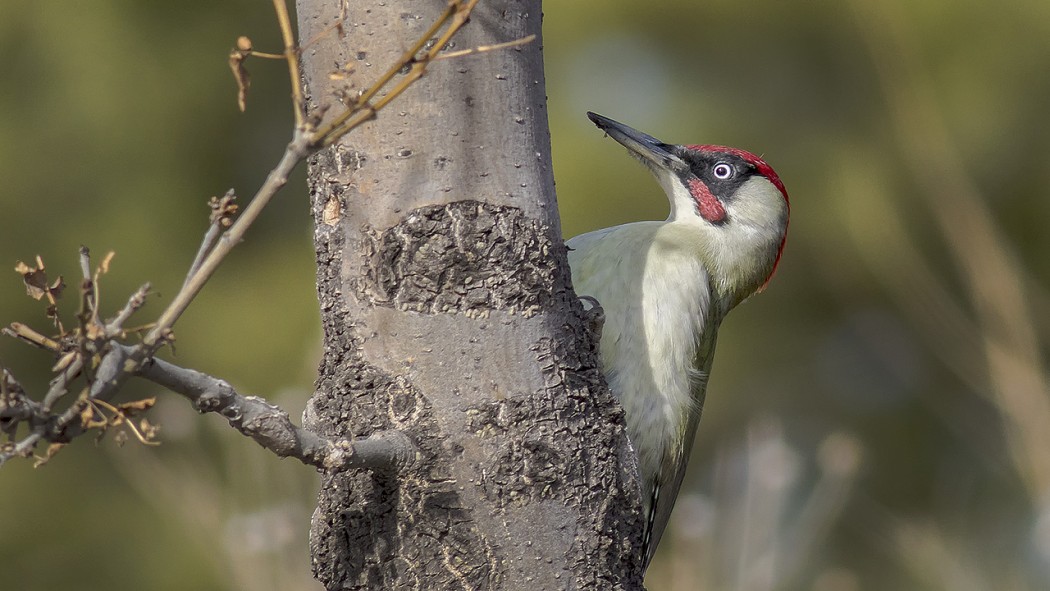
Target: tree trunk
x,y
448,314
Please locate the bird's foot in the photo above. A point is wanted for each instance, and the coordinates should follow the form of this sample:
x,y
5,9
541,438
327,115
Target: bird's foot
x,y
594,316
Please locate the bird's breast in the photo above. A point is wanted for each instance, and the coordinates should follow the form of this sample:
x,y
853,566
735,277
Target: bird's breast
x,y
656,296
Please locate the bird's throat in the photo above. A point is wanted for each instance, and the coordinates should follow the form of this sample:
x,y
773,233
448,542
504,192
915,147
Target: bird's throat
x,y
709,207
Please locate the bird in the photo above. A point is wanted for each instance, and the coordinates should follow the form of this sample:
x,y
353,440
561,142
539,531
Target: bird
x,y
664,288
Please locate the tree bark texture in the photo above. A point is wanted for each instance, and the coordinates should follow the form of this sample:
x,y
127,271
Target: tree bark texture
x,y
448,314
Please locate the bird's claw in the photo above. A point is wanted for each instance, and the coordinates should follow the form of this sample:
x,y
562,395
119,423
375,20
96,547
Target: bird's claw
x,y
595,317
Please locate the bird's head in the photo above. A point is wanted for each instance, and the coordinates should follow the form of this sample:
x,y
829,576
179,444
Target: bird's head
x,y
736,202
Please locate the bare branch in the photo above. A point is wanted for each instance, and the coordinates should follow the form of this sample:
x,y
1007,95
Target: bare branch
x,y
60,383
93,351
115,327
267,424
270,426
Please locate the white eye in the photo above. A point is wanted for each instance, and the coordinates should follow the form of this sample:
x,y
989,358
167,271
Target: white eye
x,y
723,170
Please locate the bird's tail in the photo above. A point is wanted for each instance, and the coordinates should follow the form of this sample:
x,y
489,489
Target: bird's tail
x,y
648,543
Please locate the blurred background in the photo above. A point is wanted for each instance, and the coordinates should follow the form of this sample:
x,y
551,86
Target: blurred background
x,y
878,419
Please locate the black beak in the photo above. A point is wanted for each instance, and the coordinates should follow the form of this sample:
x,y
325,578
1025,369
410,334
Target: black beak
x,y
645,146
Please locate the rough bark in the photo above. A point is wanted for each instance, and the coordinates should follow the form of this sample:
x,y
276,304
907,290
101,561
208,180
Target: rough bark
x,y
448,314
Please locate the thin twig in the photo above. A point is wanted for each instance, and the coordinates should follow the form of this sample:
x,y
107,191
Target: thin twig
x,y
85,263
124,419
337,25
115,327
485,48
222,211
96,285
269,56
297,149
291,54
214,230
419,67
27,334
330,133
88,304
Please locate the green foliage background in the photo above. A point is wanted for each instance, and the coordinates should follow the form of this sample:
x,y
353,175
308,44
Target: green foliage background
x,y
874,421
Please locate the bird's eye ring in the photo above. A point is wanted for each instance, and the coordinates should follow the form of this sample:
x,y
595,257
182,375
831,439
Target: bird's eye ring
x,y
723,170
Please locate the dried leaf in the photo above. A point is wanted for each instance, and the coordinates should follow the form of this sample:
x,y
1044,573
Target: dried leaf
x,y
136,406
147,432
223,209
104,267
57,287
148,429
88,418
52,449
240,74
35,280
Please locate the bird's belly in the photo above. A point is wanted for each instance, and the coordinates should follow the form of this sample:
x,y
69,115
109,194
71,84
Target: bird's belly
x,y
650,357
656,296
656,390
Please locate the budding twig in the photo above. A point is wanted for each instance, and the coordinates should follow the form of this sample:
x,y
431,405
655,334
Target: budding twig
x,y
222,210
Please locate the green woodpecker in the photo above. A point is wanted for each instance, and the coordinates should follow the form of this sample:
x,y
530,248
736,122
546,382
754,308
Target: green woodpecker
x,y
665,287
